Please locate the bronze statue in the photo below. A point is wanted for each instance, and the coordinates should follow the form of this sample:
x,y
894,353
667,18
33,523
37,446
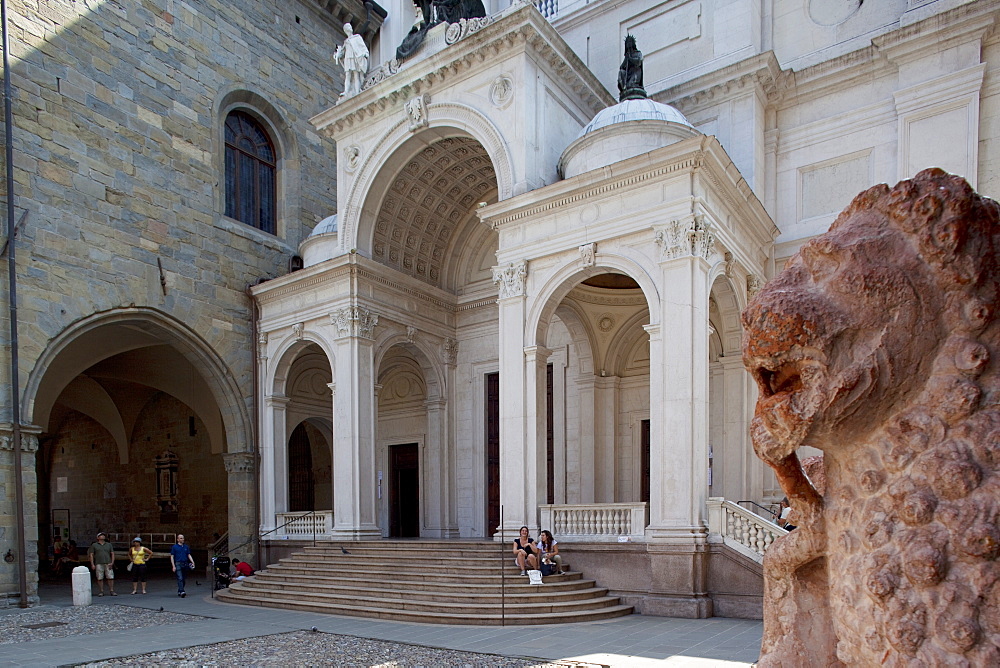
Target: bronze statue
x,y
630,73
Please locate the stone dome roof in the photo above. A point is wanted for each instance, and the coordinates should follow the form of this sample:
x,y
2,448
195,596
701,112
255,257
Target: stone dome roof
x,y
623,131
326,226
635,110
322,243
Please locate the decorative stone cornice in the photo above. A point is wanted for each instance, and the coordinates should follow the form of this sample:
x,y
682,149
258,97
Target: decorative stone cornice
x,y
510,279
761,72
520,26
238,462
354,321
686,238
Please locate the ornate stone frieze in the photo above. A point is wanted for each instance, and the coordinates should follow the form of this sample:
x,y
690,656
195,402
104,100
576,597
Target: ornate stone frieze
x,y
354,321
450,350
686,238
510,279
588,254
464,28
238,462
381,73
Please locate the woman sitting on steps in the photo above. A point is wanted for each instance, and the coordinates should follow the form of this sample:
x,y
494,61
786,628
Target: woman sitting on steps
x,y
524,552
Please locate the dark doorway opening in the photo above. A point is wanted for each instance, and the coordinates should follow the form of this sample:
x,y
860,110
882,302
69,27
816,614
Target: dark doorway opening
x,y
404,491
492,453
644,435
301,483
550,437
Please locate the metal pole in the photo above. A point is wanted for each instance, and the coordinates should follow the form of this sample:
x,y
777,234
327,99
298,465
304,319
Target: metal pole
x,y
503,577
15,392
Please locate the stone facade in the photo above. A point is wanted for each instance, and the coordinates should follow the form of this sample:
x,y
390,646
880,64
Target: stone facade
x,y
124,248
471,209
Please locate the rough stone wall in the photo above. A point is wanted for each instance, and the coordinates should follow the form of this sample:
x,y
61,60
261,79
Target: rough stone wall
x,y
118,145
117,156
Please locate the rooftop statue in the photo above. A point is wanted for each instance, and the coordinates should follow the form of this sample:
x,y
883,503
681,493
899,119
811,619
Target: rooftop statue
x,y
355,56
429,13
878,345
630,73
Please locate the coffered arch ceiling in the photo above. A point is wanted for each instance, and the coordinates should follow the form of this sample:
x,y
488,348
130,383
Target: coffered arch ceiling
x,y
428,205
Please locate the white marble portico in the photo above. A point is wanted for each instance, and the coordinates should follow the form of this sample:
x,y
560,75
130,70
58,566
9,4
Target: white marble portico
x,y
500,217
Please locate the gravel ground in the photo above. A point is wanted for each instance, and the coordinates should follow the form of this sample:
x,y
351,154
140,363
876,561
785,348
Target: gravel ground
x,y
78,621
304,648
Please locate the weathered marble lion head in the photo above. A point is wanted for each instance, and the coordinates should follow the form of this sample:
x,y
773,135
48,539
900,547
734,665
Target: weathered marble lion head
x,y
878,344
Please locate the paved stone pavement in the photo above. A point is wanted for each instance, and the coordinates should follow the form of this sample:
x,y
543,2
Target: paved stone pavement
x,y
636,640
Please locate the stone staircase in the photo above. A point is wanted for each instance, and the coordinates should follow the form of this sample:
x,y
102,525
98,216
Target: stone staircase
x,y
437,582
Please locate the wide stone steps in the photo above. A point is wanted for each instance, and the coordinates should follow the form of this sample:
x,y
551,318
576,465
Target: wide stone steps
x,y
445,582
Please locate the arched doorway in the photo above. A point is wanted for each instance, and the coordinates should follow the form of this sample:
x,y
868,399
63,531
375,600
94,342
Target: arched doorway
x,y
136,414
597,393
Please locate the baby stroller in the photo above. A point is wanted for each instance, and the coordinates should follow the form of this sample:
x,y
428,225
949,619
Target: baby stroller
x,y
220,565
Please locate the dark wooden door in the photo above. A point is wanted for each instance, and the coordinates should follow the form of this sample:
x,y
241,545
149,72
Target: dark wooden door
x,y
404,491
492,453
301,484
550,437
644,436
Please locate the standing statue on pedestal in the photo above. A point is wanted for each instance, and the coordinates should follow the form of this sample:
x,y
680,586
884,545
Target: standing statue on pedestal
x,y
354,53
630,73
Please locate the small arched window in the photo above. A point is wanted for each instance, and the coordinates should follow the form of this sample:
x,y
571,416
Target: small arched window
x,y
250,172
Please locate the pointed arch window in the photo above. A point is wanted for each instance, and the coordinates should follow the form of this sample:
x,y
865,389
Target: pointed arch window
x,y
250,172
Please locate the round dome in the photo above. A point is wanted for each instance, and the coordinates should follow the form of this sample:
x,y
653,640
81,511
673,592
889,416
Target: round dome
x,y
627,129
326,226
322,243
635,110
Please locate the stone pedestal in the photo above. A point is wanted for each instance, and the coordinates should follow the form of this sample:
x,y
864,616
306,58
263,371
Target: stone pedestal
x,y
81,586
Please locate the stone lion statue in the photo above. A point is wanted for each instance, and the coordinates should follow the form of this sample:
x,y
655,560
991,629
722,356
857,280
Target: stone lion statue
x,y
878,344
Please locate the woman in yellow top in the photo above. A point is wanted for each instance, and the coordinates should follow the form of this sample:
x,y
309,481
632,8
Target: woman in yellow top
x,y
138,555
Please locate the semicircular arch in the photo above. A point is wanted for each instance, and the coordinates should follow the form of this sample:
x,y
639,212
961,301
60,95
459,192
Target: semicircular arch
x,y
103,335
565,278
376,173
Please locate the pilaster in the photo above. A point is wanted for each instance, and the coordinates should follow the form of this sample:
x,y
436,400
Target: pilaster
x,y
9,584
240,472
354,488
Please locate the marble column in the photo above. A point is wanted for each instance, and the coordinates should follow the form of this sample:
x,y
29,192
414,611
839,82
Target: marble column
x,y
273,461
355,482
511,307
677,534
536,359
606,437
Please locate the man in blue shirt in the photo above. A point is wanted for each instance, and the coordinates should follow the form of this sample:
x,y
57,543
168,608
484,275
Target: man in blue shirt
x,y
181,560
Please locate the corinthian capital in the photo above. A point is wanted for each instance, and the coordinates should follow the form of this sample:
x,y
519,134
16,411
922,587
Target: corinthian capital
x,y
510,279
692,237
354,321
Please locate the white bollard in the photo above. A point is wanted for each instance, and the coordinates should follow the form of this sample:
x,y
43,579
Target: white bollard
x,y
81,586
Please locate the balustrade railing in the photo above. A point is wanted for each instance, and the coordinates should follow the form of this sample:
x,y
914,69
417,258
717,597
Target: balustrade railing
x,y
741,529
600,522
548,8
319,523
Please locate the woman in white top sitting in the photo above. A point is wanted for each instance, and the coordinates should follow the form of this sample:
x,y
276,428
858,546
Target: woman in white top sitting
x,y
549,549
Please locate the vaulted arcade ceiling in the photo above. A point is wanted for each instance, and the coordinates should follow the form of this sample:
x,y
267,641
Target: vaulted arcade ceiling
x,y
429,201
